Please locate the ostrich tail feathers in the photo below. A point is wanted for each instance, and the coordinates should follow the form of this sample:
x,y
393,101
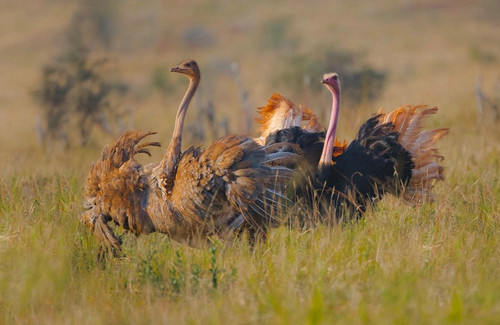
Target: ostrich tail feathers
x,y
407,121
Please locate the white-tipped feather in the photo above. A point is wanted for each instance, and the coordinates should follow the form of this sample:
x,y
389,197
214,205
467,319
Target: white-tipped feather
x,y
274,157
278,196
432,168
420,144
281,113
236,223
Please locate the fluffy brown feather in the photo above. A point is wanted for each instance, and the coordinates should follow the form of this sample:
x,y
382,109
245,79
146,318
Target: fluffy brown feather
x,y
281,113
114,189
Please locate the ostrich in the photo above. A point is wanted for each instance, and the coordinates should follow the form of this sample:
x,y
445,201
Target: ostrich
x,y
390,154
389,150
234,183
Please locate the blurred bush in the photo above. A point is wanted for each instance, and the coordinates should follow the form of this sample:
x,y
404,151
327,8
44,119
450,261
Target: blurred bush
x,y
276,35
95,23
481,55
487,106
75,91
198,36
360,82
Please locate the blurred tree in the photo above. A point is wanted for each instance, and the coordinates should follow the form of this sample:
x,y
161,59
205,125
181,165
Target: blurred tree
x,y
75,93
487,104
95,23
276,35
198,36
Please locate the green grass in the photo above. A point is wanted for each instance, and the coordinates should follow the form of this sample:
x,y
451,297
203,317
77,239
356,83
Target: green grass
x,y
433,264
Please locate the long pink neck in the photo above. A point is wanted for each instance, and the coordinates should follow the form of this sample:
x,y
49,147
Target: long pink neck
x,y
173,153
326,155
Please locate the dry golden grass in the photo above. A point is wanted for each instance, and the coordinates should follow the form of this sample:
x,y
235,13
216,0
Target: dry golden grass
x,y
437,263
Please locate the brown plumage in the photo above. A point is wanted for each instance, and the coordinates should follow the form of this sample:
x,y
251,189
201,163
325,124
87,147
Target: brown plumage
x,y
281,113
115,188
233,183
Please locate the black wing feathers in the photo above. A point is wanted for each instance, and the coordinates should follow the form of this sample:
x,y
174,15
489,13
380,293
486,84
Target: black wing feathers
x,y
373,164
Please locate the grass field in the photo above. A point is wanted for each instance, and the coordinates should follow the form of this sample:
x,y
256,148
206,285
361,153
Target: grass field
x,y
433,264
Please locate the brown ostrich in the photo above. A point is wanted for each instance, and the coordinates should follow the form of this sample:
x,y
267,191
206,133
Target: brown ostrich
x,y
233,183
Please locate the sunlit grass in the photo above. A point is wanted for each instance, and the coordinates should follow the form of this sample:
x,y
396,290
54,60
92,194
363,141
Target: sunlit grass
x,y
431,264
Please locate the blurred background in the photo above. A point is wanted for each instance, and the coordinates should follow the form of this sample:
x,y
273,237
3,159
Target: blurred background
x,y
75,74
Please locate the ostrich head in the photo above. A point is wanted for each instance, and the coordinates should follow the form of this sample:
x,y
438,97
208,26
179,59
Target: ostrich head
x,y
188,68
332,82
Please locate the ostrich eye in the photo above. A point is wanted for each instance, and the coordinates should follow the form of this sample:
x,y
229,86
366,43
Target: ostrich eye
x,y
335,78
188,65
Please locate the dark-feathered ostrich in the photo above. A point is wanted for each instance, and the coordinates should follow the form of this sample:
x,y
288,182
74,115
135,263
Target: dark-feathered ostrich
x,y
391,154
232,183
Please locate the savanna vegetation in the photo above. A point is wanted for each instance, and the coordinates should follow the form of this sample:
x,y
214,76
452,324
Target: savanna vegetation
x,y
432,264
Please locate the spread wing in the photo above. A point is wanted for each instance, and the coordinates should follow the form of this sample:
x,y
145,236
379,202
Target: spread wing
x,y
232,176
114,189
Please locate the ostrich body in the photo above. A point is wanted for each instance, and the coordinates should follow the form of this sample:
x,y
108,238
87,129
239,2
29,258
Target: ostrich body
x,y
233,183
390,154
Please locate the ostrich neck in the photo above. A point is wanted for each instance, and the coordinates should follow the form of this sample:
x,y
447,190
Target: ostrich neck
x,y
326,155
174,148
